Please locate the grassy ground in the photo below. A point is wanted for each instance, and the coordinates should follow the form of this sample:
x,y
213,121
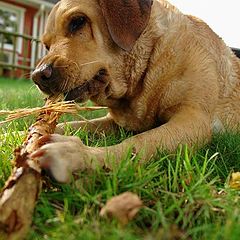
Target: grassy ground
x,y
186,195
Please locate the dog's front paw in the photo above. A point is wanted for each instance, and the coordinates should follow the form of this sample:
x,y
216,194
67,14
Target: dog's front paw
x,y
61,155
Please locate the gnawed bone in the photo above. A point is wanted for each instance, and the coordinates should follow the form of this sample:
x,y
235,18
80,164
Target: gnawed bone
x,y
20,193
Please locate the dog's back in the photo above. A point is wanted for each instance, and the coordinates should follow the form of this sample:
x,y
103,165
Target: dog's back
x,y
214,55
228,68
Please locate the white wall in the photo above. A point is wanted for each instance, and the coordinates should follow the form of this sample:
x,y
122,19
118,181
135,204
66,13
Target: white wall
x,y
223,16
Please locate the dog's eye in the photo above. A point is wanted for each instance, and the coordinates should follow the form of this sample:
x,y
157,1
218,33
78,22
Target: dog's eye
x,y
77,23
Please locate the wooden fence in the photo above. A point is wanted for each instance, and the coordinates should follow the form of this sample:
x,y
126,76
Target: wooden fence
x,y
18,58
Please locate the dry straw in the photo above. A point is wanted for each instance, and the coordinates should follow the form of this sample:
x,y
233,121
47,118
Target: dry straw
x,y
59,107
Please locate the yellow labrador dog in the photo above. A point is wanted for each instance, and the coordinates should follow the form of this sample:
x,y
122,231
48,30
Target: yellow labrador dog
x,y
164,75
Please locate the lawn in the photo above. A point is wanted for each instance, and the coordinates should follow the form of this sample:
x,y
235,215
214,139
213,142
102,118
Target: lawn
x,y
186,195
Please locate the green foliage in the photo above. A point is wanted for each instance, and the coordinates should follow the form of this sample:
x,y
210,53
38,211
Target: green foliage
x,y
186,195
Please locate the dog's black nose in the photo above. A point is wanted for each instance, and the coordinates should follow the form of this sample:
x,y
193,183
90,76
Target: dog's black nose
x,y
42,74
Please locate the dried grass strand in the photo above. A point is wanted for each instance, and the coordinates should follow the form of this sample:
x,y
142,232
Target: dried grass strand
x,y
59,107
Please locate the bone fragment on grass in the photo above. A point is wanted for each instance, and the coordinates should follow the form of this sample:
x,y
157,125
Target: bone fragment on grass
x,y
234,181
123,207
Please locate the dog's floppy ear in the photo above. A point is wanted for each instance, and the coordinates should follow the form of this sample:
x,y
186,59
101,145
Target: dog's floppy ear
x,y
126,19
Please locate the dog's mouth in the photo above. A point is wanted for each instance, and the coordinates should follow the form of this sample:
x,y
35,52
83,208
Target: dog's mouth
x,y
78,94
90,89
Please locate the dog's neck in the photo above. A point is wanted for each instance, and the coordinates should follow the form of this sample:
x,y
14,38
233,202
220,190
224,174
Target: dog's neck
x,y
137,61
143,70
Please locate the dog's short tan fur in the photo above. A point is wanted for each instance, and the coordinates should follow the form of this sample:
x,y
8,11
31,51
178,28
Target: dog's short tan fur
x,y
177,84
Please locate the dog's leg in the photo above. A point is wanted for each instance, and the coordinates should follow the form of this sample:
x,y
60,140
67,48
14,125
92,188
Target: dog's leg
x,y
190,126
62,154
103,124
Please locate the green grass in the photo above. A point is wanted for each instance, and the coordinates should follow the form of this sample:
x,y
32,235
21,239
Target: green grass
x,y
186,195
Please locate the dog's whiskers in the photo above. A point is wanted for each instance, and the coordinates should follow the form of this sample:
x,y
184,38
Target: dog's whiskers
x,y
64,85
61,66
76,65
84,64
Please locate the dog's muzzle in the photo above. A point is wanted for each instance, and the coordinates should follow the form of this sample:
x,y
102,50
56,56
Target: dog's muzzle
x,y
50,81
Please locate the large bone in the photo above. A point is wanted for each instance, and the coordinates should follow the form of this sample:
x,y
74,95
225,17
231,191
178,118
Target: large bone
x,y
20,193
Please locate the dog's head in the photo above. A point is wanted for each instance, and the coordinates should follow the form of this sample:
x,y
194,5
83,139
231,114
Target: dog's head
x,y
86,42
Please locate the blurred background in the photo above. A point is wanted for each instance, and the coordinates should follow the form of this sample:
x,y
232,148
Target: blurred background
x,y
222,16
21,25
